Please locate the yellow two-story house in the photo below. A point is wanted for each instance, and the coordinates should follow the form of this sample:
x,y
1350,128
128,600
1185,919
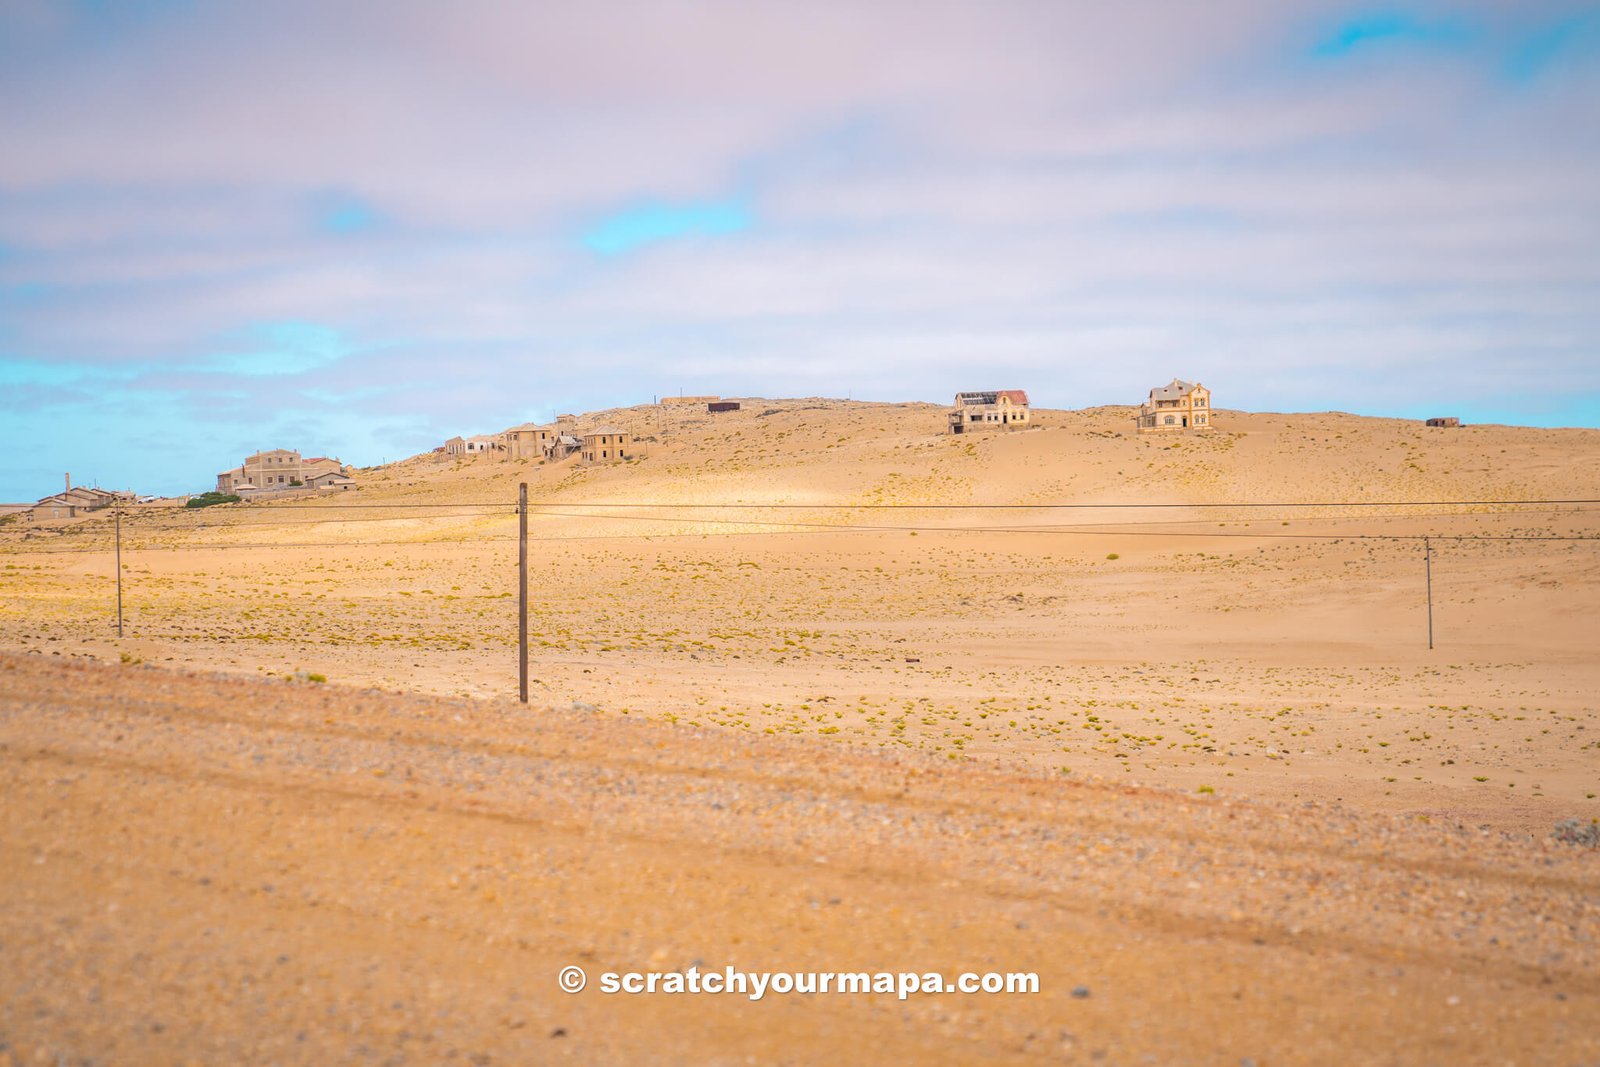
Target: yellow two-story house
x,y
1180,405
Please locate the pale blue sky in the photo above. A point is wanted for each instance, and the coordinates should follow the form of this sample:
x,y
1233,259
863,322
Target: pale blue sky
x,y
358,229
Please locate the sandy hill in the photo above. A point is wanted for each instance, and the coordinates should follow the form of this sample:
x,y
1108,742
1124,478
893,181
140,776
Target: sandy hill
x,y
836,452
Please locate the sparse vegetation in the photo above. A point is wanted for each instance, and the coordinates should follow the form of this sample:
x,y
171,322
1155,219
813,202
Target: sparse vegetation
x,y
211,499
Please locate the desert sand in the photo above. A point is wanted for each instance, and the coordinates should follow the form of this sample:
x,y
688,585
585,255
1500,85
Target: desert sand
x,y
1200,756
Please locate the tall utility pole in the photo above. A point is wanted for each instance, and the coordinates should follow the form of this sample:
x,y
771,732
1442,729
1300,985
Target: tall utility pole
x,y
522,591
118,513
1427,563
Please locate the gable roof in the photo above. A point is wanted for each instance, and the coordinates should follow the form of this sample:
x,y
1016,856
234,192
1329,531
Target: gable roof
x,y
1175,391
992,396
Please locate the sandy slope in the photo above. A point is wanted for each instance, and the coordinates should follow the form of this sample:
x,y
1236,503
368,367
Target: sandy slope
x,y
212,870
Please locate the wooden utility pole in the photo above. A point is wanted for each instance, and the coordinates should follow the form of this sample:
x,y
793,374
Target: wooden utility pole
x,y
1427,563
118,513
522,592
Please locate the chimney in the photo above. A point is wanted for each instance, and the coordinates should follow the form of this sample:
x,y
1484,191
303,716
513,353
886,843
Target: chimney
x,y
69,481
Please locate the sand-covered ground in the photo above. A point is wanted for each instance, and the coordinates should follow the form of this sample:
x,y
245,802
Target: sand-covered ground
x,y
206,869
1195,759
1269,651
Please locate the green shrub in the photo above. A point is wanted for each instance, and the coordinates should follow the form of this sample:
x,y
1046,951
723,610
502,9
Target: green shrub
x,y
206,500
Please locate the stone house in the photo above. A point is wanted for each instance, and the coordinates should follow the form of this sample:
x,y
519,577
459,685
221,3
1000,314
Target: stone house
x,y
1175,407
472,446
605,445
333,480
73,501
528,442
274,470
995,410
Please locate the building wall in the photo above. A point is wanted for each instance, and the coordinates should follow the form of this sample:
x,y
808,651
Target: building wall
x,y
279,468
604,447
965,417
1192,411
525,443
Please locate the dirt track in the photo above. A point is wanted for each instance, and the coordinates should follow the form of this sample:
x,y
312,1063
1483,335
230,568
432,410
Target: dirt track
x,y
222,870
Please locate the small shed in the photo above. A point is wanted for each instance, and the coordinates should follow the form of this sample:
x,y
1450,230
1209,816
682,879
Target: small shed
x,y
717,407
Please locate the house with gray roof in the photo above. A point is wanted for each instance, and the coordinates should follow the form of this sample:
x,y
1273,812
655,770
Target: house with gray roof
x,y
1175,407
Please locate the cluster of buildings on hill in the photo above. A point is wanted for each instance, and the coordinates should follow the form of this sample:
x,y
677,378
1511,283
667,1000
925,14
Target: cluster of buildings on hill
x,y
282,471
1177,406
73,501
557,441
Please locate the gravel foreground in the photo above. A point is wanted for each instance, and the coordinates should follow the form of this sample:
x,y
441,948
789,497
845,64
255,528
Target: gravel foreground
x,y
219,870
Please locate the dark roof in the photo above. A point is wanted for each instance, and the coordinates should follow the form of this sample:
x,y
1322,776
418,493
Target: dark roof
x,y
992,396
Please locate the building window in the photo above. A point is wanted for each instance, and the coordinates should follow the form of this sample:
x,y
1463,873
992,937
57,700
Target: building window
x,y
1170,420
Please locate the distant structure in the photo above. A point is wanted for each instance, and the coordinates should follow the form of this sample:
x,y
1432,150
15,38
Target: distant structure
x,y
527,442
1176,407
605,445
1000,409
670,400
71,500
333,481
1445,420
471,446
717,407
277,469
531,442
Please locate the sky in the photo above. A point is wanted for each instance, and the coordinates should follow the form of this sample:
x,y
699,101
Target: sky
x,y
358,229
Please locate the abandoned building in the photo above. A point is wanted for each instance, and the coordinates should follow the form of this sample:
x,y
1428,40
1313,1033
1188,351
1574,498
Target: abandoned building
x,y
605,445
72,501
277,468
1177,406
717,407
1445,420
527,442
472,446
1000,409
